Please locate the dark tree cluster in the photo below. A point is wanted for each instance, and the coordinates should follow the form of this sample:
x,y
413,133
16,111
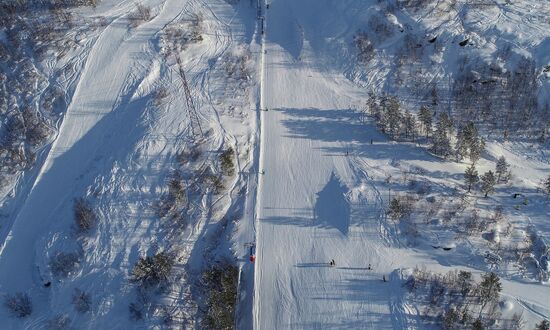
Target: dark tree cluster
x,y
455,300
404,125
504,102
220,285
154,270
489,179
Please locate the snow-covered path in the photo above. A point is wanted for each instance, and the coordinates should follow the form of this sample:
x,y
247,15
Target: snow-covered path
x,y
313,207
102,115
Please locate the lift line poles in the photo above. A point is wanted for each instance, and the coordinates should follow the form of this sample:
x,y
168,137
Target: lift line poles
x,y
193,116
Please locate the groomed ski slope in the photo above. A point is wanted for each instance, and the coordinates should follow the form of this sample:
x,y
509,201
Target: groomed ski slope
x,y
307,210
322,195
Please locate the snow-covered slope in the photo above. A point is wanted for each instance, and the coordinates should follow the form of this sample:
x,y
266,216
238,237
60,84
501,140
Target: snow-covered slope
x,y
117,147
313,175
324,188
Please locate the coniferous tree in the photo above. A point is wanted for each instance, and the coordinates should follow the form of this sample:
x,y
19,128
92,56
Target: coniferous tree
x,y
450,319
461,146
425,117
478,325
409,125
393,116
441,144
488,181
395,210
469,143
471,176
371,106
446,122
502,170
546,185
489,288
476,148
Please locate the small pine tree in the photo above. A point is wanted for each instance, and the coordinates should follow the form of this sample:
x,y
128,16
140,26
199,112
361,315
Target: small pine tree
x,y
465,282
19,304
425,116
502,170
461,146
393,116
395,210
476,148
151,271
490,287
84,215
450,319
543,325
478,325
471,177
546,185
226,162
441,145
446,122
409,125
488,182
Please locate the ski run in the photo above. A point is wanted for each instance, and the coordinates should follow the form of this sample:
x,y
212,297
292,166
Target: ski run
x,y
229,164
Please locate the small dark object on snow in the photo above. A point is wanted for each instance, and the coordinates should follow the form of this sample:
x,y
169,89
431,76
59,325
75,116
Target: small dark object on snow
x,y
463,42
371,141
516,195
47,284
332,263
384,278
432,40
369,268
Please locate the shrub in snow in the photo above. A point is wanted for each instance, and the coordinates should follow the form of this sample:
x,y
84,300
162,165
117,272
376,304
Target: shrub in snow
x,y
19,304
60,322
364,46
82,301
84,215
395,210
546,185
63,264
221,285
152,270
226,162
543,325
141,14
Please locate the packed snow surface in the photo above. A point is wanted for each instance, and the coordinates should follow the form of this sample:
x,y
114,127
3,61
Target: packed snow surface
x,y
313,174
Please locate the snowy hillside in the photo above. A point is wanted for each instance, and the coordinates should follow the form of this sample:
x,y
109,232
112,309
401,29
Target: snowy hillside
x,y
274,164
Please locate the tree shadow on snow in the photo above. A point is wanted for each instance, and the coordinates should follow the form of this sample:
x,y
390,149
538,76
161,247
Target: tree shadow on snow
x,y
332,209
345,125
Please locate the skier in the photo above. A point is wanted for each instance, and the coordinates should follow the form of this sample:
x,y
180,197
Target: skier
x,y
332,263
369,268
384,278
